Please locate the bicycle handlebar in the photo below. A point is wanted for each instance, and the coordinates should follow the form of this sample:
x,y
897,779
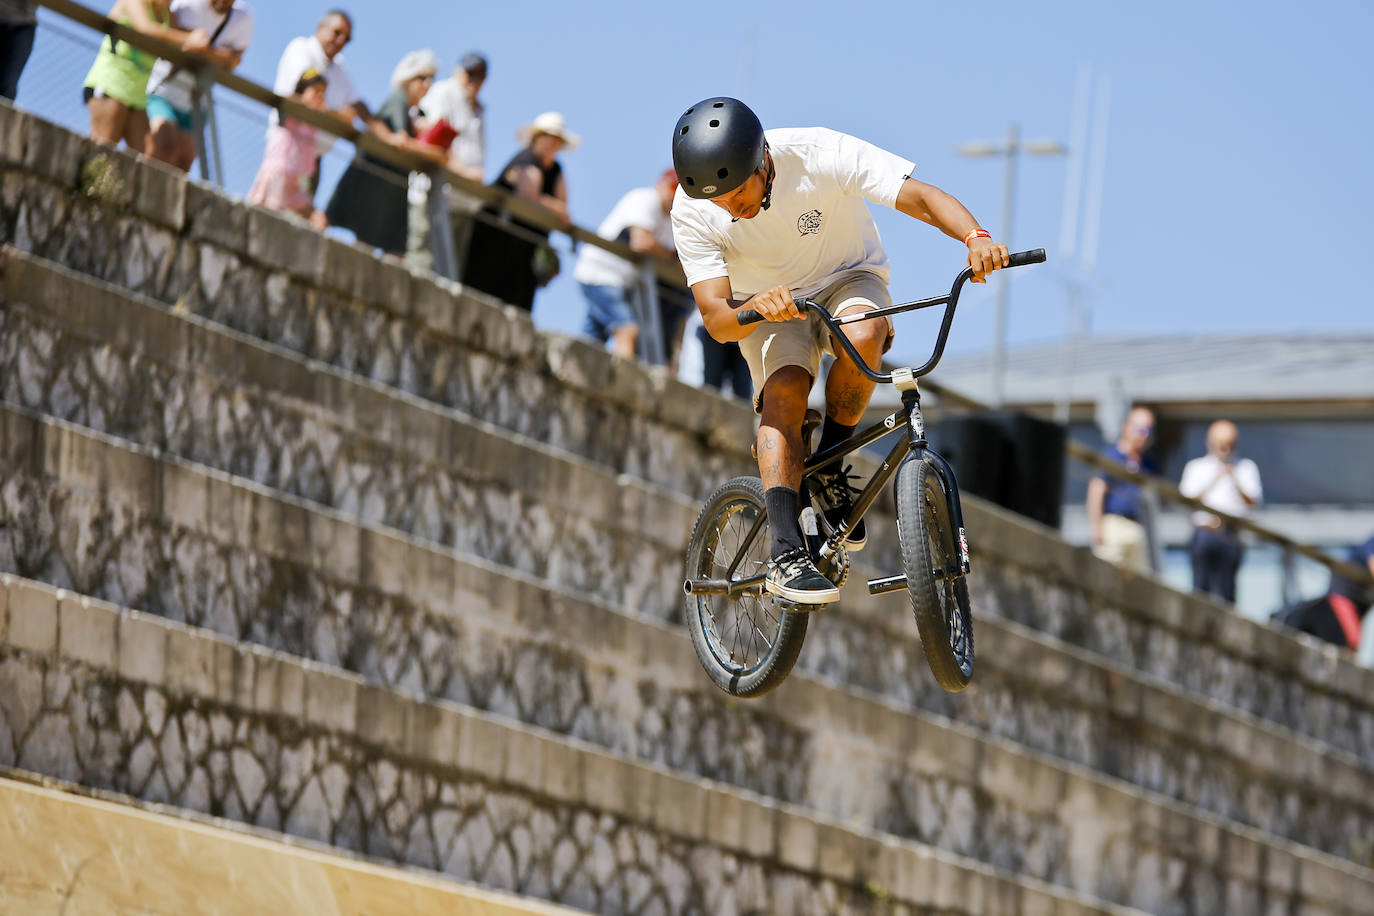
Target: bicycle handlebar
x,y
750,316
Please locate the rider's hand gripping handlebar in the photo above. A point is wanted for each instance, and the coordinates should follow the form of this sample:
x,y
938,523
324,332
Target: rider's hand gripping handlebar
x,y
749,316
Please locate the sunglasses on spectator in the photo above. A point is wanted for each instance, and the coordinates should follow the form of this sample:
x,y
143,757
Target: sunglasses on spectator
x,y
1145,430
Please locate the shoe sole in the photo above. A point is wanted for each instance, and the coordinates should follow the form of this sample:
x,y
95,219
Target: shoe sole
x,y
802,597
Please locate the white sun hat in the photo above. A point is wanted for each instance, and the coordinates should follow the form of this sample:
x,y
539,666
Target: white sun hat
x,y
550,122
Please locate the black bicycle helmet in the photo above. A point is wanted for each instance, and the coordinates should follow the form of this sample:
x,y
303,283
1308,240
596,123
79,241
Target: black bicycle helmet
x,y
717,145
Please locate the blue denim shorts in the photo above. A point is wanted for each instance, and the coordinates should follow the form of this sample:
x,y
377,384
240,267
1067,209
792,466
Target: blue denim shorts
x,y
608,310
159,109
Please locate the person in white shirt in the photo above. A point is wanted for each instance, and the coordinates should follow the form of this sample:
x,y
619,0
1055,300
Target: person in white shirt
x,y
1228,484
766,217
640,220
323,52
229,23
453,101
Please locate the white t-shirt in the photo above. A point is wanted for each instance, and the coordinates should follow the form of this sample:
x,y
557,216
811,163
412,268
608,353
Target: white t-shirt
x,y
448,100
640,207
303,54
816,228
198,14
1203,479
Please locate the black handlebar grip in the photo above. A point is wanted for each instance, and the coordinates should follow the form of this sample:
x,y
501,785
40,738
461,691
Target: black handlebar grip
x,y
748,316
1021,258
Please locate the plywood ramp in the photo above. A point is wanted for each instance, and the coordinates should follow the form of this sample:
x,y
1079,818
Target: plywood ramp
x,y
74,855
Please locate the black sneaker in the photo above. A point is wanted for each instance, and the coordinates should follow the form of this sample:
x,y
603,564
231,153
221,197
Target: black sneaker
x,y
793,576
836,497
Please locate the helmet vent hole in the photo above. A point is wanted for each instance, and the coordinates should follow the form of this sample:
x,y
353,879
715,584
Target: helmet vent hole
x,y
684,129
689,182
715,123
722,173
689,111
718,105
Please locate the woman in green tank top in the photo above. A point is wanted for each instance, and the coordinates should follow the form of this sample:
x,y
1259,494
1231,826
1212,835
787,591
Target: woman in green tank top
x,y
116,88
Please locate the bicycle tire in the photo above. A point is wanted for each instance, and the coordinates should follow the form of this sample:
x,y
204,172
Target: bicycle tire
x,y
740,670
929,542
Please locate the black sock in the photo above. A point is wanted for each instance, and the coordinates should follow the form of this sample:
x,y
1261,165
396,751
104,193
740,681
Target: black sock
x,y
833,433
781,503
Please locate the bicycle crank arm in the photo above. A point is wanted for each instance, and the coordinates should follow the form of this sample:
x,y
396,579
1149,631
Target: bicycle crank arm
x,y
733,588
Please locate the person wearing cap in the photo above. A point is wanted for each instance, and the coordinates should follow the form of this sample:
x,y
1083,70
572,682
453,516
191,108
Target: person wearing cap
x,y
608,282
171,99
766,216
454,102
510,258
370,198
285,180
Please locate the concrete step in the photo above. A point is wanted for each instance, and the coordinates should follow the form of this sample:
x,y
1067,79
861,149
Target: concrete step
x,y
104,359
149,230
86,352
116,700
485,637
71,850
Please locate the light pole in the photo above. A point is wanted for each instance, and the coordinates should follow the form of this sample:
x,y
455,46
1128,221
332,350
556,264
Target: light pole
x,y
1008,150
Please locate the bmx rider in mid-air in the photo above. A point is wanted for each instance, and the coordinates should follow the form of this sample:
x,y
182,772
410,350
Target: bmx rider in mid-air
x,y
766,216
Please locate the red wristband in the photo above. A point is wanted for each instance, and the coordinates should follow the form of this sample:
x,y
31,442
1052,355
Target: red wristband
x,y
976,234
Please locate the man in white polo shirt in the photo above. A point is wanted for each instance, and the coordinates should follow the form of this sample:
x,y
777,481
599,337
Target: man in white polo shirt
x,y
1228,484
765,217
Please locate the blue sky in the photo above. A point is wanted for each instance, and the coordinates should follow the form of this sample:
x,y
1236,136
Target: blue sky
x,y
1237,169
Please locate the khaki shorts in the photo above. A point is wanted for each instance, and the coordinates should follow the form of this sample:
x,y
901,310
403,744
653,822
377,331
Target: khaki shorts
x,y
776,344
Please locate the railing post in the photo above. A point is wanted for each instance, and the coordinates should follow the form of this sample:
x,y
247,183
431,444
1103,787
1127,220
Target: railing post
x,y
652,347
199,94
1290,575
441,242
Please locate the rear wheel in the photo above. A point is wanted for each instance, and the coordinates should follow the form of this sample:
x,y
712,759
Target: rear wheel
x,y
749,642
934,573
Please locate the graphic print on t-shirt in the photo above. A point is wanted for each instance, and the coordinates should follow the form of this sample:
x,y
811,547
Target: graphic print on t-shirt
x,y
809,223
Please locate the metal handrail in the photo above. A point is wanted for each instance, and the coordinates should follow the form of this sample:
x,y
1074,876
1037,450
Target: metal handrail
x,y
1080,452
361,139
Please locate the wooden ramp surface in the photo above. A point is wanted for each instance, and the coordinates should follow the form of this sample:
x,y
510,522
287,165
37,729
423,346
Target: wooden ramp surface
x,y
62,853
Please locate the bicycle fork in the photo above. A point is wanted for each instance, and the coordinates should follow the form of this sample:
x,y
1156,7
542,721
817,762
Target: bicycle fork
x,y
914,447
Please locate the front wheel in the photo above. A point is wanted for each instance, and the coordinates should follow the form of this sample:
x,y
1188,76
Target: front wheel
x,y
934,573
749,642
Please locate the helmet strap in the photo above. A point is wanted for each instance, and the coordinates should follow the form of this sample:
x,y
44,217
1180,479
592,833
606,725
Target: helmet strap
x,y
768,179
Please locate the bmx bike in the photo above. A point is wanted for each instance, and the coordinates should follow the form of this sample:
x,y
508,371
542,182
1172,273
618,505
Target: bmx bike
x,y
747,639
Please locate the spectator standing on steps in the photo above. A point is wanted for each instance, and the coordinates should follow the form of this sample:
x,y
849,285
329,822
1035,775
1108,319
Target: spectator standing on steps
x,y
18,24
1227,483
286,178
510,258
370,198
610,283
454,103
1116,508
171,119
116,88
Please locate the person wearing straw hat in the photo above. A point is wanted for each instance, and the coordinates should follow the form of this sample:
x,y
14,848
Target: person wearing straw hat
x,y
370,198
510,258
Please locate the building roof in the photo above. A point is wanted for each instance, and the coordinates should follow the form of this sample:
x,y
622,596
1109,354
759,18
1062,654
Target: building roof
x,y
1272,367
